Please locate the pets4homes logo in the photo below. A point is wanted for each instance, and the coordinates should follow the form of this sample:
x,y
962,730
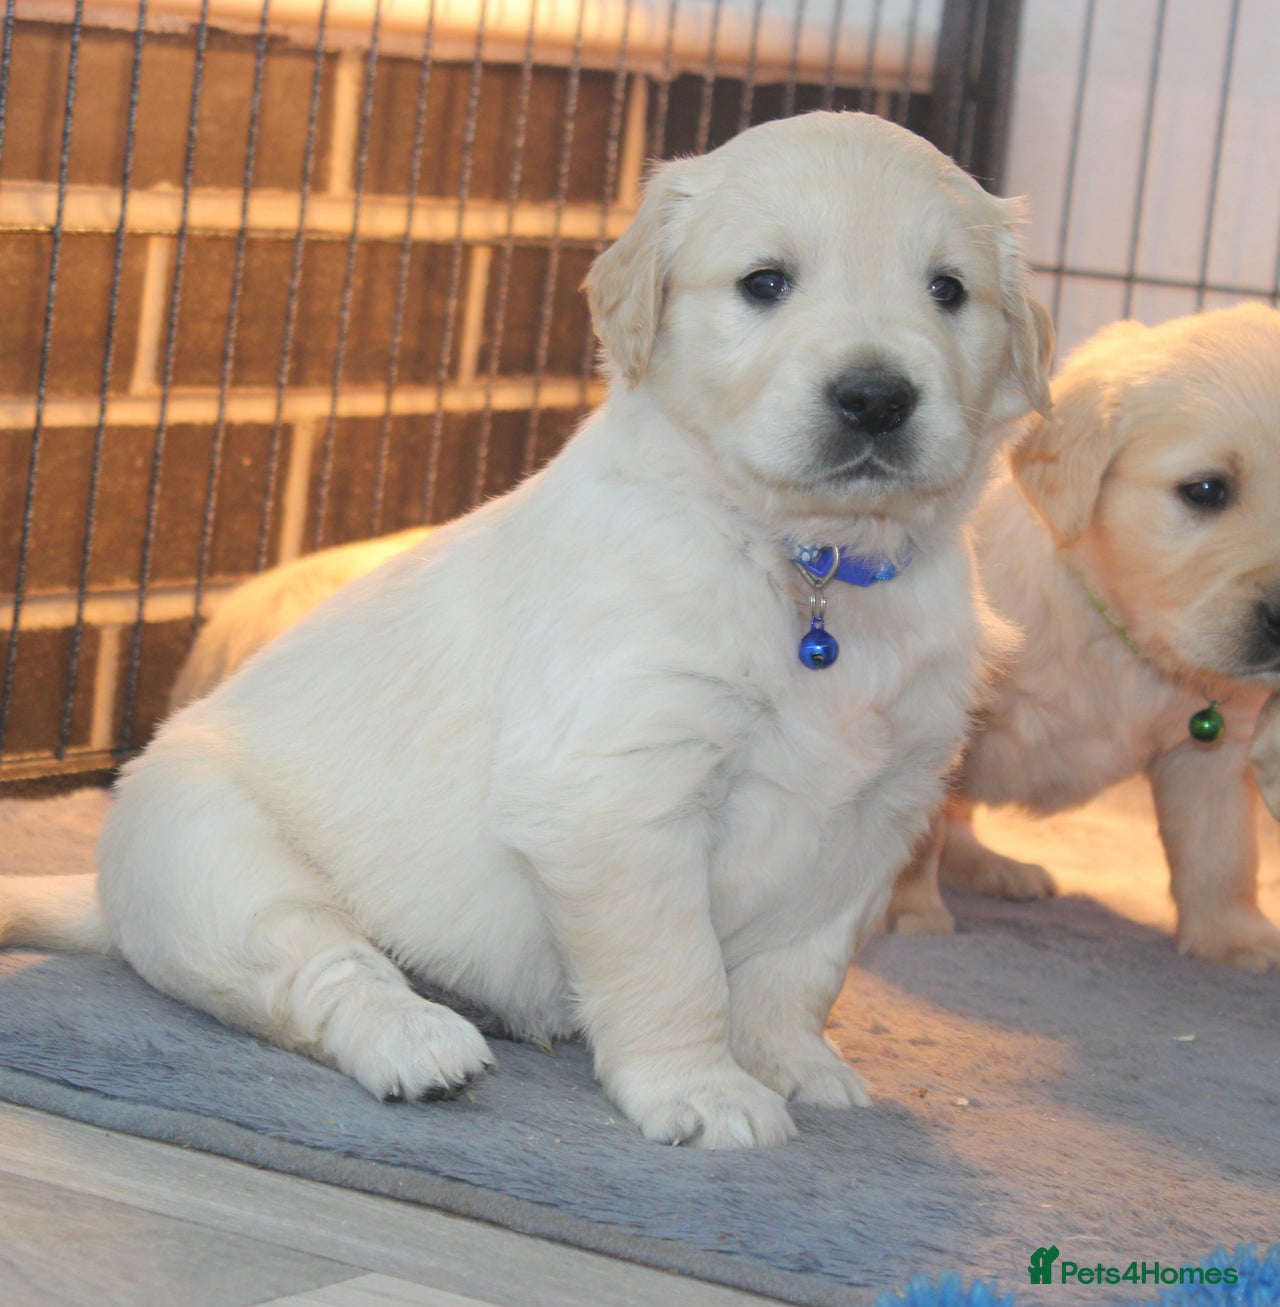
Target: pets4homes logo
x,y
1041,1266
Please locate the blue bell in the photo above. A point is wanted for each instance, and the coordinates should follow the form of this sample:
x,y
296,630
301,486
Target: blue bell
x,y
818,649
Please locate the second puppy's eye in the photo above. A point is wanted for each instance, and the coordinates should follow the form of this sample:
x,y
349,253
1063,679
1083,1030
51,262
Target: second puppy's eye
x,y
948,291
1208,493
765,285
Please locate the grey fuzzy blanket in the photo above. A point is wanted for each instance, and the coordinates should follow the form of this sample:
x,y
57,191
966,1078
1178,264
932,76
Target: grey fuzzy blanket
x,y
1052,1073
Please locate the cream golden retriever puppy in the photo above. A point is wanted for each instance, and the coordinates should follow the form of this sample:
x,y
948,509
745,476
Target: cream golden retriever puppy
x,y
1137,543
563,760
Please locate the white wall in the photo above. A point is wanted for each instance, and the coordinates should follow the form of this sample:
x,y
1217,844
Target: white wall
x,y
1083,219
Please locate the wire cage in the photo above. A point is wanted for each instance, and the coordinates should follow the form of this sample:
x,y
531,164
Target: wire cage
x,y
280,274
1147,135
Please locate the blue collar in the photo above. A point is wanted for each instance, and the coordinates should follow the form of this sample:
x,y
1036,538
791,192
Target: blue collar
x,y
819,564
815,561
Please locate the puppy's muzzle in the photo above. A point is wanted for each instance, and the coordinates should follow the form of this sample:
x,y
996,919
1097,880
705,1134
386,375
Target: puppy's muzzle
x,y
1259,647
873,401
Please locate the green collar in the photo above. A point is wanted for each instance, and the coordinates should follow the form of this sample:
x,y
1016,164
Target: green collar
x,y
1207,725
1105,613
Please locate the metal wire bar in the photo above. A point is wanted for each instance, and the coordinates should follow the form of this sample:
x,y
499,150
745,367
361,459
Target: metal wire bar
x,y
6,59
1144,157
553,254
984,129
295,285
436,439
195,227
749,75
497,330
382,453
1164,283
233,318
867,99
616,107
904,102
1216,167
166,385
709,81
1275,278
793,66
983,22
108,361
1073,153
833,41
873,50
957,71
662,109
42,382
348,281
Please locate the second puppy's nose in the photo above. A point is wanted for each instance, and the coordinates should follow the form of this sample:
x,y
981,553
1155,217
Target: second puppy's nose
x,y
1269,620
873,400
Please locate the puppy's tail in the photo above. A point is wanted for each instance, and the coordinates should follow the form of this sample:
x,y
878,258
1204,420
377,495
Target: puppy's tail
x,y
60,912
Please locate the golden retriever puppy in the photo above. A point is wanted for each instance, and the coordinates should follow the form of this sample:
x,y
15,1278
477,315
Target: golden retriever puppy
x,y
1137,544
564,759
264,606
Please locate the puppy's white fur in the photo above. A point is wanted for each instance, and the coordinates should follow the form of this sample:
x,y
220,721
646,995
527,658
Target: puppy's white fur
x,y
1138,413
561,759
254,613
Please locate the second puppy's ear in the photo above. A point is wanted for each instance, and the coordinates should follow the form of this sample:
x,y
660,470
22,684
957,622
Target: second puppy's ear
x,y
626,283
1061,461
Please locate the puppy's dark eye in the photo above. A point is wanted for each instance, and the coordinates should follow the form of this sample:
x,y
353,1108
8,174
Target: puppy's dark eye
x,y
1208,493
948,291
765,285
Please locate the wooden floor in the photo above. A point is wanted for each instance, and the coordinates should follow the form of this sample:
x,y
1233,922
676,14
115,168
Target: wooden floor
x,y
105,1220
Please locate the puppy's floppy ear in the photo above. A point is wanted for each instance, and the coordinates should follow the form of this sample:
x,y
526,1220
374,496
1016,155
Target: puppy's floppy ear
x,y
625,284
1032,347
1030,326
1061,461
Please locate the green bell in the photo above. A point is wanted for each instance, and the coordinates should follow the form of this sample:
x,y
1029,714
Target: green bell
x,y
1207,724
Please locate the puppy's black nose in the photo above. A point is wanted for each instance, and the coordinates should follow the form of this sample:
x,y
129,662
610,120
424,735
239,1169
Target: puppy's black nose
x,y
1269,620
873,400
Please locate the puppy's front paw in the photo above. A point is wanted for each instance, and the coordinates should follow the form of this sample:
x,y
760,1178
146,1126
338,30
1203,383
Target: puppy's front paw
x,y
1241,939
830,1084
409,1048
711,1107
991,873
813,1072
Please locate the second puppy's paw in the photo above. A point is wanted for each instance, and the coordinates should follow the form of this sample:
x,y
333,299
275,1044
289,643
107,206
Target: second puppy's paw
x,y
1241,938
991,873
